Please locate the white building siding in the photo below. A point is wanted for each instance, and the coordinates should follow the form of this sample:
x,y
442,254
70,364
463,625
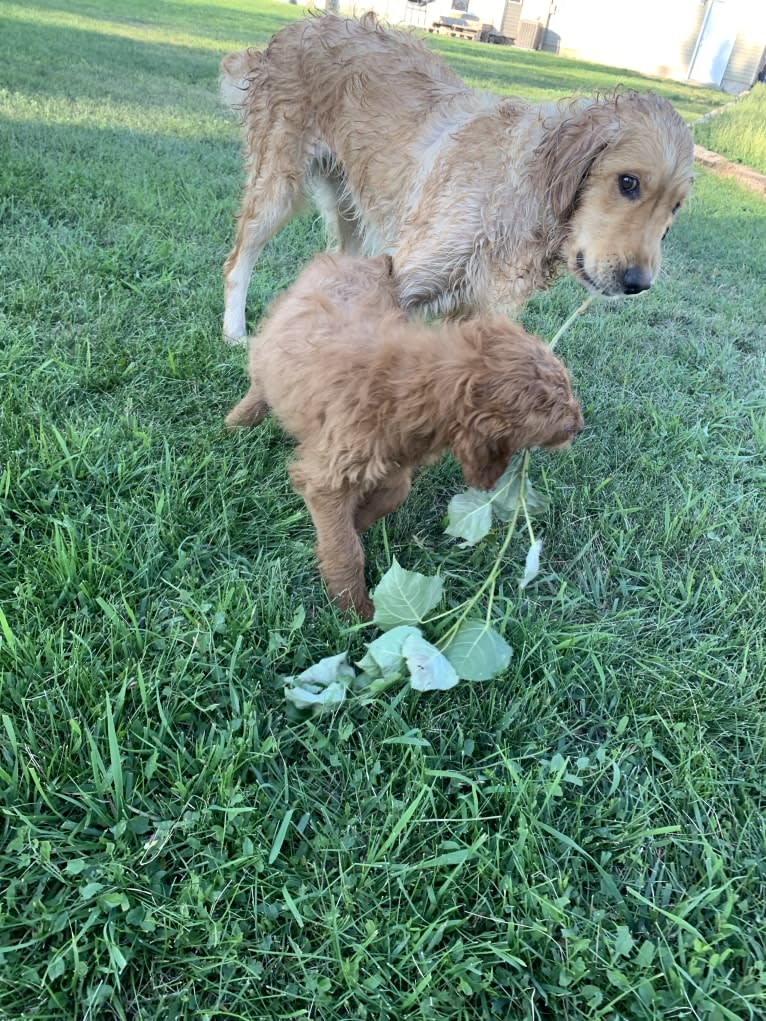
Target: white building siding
x,y
658,37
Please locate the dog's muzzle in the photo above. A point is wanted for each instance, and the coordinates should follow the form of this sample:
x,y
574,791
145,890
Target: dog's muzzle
x,y
633,280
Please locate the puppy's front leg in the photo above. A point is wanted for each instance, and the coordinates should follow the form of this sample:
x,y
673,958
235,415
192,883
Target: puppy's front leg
x,y
338,549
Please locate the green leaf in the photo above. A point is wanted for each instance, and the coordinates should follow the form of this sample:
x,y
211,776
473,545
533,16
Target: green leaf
x,y
321,686
412,738
384,657
370,684
430,670
623,942
470,515
404,597
477,651
56,967
532,565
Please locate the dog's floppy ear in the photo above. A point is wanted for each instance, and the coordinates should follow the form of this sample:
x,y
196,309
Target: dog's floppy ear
x,y
385,262
489,334
569,150
482,461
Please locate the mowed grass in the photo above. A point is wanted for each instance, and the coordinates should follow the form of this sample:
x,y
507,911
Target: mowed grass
x,y
739,131
582,838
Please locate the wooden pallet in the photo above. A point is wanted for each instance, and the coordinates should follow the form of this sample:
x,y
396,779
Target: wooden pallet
x,y
478,31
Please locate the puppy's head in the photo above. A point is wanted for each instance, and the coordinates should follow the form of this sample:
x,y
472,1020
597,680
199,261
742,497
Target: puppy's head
x,y
618,171
516,394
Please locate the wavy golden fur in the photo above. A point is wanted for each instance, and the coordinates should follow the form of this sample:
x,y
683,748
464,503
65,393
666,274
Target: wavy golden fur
x,y
479,200
369,396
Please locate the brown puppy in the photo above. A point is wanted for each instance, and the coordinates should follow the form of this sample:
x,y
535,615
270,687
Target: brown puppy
x,y
479,200
370,396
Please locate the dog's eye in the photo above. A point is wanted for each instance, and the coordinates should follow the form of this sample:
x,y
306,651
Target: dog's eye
x,y
628,185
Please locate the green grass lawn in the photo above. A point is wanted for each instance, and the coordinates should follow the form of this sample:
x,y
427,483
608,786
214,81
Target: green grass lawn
x,y
739,131
582,838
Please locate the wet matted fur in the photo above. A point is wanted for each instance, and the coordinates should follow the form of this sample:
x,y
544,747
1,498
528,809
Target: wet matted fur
x,y
369,396
479,199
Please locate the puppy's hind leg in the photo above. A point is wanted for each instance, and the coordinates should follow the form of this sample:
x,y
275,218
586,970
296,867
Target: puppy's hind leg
x,y
251,410
266,208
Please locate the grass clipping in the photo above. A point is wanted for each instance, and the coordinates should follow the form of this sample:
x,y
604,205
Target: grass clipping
x,y
421,647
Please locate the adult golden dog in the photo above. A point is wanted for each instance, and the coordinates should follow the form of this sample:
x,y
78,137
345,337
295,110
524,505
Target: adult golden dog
x,y
369,396
478,199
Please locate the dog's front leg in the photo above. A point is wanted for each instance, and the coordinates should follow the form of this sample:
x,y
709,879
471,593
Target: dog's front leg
x,y
338,549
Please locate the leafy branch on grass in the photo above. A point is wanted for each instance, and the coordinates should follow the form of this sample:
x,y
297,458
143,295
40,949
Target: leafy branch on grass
x,y
426,650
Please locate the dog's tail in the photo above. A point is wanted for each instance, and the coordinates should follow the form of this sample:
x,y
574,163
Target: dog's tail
x,y
236,74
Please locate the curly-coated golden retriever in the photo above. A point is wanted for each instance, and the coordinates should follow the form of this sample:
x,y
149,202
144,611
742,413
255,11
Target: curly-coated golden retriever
x,y
478,199
369,396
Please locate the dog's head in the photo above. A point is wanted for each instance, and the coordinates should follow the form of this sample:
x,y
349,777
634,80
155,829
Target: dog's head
x,y
617,172
515,394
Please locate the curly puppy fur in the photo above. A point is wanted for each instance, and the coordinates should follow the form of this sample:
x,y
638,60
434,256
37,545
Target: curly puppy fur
x,y
369,396
480,200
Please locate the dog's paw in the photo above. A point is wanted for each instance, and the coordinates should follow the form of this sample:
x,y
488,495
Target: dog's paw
x,y
358,603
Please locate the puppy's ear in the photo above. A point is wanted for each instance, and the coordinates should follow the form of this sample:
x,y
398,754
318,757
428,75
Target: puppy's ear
x,y
475,333
569,150
385,262
492,333
482,461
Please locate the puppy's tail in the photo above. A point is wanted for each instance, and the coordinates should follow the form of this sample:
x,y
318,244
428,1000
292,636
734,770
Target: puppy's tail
x,y
251,410
237,70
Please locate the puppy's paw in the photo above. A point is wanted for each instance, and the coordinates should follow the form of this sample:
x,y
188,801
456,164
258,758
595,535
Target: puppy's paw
x,y
358,603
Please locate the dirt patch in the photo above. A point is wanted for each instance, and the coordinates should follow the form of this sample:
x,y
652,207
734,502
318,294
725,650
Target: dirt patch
x,y
725,168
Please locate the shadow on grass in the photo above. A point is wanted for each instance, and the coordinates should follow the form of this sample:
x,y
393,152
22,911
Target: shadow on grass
x,y
47,61
214,21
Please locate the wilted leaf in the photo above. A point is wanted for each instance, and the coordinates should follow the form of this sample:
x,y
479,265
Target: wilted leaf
x,y
384,656
477,651
305,698
429,669
404,597
505,495
470,515
532,566
322,685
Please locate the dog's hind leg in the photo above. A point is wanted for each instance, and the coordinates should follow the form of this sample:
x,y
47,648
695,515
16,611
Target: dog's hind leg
x,y
267,207
342,227
251,410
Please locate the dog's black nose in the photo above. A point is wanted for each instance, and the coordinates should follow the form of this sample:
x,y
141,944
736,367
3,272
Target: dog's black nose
x,y
636,280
